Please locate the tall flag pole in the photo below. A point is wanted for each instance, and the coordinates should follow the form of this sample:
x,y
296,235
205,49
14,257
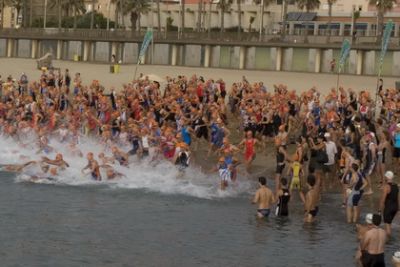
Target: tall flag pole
x,y
148,38
344,54
385,43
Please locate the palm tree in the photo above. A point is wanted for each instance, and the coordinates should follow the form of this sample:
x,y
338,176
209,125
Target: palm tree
x,y
382,7
136,8
182,2
158,17
200,11
239,7
223,5
59,9
263,4
330,4
308,5
284,19
92,14
3,4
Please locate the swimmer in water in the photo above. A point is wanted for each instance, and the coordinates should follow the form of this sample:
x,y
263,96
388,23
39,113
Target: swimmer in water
x,y
58,161
311,200
16,167
90,158
182,156
264,198
112,174
95,171
105,160
120,156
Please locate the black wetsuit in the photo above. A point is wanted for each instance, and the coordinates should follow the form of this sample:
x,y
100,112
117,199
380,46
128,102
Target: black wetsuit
x,y
391,204
280,161
282,208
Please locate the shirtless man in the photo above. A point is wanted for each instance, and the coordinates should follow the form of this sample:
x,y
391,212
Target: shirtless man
x,y
264,197
90,159
93,166
312,198
373,244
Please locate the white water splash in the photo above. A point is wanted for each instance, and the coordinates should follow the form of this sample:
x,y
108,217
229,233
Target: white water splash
x,y
162,177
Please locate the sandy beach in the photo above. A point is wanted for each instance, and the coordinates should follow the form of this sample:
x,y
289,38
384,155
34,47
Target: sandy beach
x,y
294,80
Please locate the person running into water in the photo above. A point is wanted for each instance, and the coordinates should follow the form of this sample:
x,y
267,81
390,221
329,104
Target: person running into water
x,y
182,156
281,158
58,161
354,193
224,173
264,198
373,244
296,172
389,202
249,149
370,160
16,167
311,200
283,197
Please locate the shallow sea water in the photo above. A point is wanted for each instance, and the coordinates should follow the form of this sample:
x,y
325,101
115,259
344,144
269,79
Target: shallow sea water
x,y
152,218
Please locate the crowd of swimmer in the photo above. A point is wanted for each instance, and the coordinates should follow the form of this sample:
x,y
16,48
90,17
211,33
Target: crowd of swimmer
x,y
341,140
338,140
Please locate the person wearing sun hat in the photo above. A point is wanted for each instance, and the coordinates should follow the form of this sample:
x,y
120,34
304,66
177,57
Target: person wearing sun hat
x,y
389,202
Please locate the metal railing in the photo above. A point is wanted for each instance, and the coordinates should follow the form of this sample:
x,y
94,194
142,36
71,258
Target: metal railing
x,y
228,38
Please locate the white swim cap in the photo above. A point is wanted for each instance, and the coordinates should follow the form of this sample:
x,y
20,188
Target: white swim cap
x,y
389,175
396,257
368,218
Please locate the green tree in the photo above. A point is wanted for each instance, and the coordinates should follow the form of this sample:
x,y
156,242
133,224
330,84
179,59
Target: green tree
x,y
308,5
136,8
382,6
330,5
71,7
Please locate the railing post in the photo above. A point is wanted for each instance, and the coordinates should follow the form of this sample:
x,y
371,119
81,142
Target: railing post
x,y
86,50
242,57
59,49
34,48
278,66
207,56
10,47
318,53
360,59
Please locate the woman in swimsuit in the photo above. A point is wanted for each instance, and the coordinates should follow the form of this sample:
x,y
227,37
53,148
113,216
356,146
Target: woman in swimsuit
x,y
381,156
249,149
